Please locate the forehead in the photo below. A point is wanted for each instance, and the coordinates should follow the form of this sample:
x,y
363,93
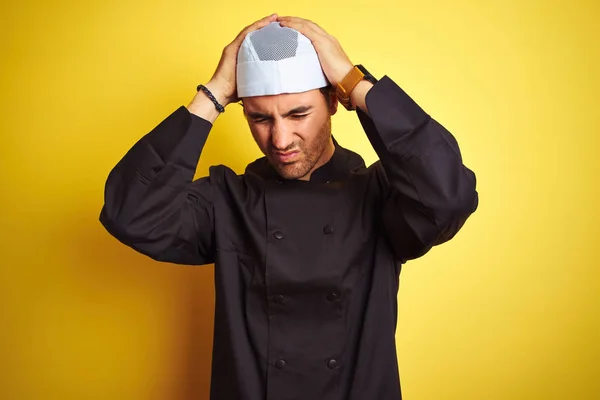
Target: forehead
x,y
283,102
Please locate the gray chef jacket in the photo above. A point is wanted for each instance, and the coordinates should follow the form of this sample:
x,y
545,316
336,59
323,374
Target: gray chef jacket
x,y
306,272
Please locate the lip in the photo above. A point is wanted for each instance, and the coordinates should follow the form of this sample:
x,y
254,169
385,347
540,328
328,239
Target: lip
x,y
286,157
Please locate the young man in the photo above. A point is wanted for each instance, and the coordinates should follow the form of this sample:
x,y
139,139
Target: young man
x,y
308,243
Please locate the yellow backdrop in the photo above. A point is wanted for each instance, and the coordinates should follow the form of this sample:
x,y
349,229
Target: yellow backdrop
x,y
509,309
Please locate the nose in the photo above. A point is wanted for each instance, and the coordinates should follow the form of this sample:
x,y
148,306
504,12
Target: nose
x,y
282,136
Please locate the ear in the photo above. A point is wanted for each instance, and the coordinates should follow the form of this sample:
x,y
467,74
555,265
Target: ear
x,y
333,102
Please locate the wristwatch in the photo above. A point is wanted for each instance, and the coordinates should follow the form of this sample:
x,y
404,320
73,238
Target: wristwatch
x,y
346,86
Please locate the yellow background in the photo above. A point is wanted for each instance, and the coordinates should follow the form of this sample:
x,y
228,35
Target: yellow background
x,y
509,309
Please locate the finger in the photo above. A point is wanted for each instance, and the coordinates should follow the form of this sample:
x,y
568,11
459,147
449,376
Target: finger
x,y
261,23
257,25
310,24
307,30
301,22
291,18
268,18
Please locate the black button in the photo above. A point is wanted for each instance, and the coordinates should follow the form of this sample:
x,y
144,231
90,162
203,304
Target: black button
x,y
278,299
333,296
332,364
328,229
280,364
278,235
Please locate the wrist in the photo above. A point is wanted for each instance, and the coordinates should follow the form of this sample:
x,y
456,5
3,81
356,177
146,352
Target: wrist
x,y
220,92
204,106
342,73
352,89
358,97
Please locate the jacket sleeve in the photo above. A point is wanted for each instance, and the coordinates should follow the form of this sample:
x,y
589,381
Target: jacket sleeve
x,y
427,192
151,202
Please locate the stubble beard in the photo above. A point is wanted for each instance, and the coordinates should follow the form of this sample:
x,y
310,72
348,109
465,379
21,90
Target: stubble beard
x,y
310,155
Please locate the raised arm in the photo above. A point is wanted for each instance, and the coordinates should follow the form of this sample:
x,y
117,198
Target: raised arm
x,y
151,202
428,193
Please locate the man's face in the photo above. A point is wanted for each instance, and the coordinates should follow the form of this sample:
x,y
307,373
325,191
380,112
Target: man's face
x,y
292,130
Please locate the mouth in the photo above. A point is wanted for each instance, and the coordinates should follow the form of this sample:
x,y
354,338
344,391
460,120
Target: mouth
x,y
287,157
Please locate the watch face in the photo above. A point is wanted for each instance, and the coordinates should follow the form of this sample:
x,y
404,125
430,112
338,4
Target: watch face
x,y
368,75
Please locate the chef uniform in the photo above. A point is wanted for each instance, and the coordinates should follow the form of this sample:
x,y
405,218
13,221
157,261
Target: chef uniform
x,y
306,272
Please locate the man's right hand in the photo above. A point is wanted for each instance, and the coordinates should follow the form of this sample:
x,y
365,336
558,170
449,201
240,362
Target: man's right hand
x,y
223,82
224,78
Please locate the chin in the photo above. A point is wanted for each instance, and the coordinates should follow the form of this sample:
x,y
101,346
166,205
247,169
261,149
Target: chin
x,y
296,170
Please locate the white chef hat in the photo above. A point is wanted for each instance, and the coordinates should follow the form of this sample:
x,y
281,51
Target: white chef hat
x,y
276,59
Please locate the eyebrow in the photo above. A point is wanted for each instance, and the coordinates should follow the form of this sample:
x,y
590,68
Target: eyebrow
x,y
297,110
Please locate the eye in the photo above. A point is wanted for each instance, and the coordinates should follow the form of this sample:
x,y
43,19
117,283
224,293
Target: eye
x,y
259,120
299,116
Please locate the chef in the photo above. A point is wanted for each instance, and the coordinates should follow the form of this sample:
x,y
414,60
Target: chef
x,y
308,242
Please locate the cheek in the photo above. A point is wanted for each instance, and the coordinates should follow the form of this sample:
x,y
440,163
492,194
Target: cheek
x,y
304,129
261,136
312,129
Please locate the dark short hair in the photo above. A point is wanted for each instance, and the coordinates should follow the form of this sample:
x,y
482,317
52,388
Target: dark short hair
x,y
327,91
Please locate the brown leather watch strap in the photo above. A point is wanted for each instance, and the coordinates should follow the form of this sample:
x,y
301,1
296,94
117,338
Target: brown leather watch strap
x,y
346,86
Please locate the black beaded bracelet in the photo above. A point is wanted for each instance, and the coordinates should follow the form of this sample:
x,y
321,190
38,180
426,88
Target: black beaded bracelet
x,y
218,106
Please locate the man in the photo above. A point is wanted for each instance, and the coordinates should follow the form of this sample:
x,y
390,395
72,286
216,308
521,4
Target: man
x,y
308,242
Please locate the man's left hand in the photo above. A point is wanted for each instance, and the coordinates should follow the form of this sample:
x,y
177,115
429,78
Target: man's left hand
x,y
334,61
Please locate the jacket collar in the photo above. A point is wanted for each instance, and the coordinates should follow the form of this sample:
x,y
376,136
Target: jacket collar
x,y
339,166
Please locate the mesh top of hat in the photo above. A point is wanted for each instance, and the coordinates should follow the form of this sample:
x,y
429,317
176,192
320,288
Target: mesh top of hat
x,y
276,59
274,42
